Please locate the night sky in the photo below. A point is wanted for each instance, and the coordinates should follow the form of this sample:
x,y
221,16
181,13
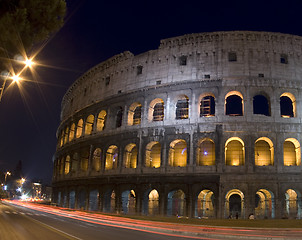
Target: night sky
x,y
97,30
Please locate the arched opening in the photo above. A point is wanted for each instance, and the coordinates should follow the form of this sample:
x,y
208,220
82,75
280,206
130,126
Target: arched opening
x,y
234,204
291,152
111,157
151,203
287,105
71,132
205,204
84,160
66,135
61,139
67,165
130,156
264,152
128,202
182,108
89,125
96,159
79,128
119,117
61,166
156,110
109,202
234,152
176,203
93,200
101,120
72,200
82,200
74,163
261,105
178,153
264,204
153,152
135,114
293,206
234,104
207,106
205,152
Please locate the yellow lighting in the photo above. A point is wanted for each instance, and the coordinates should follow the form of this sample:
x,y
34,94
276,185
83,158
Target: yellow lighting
x,y
16,78
28,63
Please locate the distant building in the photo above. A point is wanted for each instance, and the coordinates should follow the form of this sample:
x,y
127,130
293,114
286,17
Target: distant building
x,y
208,125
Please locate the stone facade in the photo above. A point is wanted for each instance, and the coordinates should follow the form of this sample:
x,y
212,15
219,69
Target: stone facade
x,y
207,125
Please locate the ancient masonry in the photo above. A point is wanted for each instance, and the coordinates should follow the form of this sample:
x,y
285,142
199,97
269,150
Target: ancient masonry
x,y
208,126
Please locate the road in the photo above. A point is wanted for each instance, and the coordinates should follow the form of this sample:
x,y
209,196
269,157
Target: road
x,y
23,221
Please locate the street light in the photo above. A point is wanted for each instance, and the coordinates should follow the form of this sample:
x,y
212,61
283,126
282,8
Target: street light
x,y
6,174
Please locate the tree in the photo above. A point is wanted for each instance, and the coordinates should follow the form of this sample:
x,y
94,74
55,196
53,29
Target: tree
x,y
24,23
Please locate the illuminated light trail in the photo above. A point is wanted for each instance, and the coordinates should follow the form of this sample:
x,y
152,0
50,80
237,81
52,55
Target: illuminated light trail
x,y
160,227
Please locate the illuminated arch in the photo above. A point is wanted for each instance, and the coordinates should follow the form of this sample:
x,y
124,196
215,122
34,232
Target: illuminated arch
x,y
84,160
79,128
96,159
66,135
153,202
234,105
178,153
101,120
264,204
130,156
234,204
135,114
291,152
234,152
128,202
205,152
182,107
287,105
71,132
153,155
205,204
67,165
264,152
293,205
156,110
111,157
207,105
89,125
176,203
74,162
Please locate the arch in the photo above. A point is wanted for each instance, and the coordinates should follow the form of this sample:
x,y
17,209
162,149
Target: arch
x,y
128,202
176,203
74,163
79,128
89,124
135,114
287,105
66,135
234,204
101,120
234,152
264,152
130,156
93,200
207,105
84,160
156,110
119,117
293,206
71,132
111,157
72,199
234,104
178,153
291,152
151,202
204,206
109,201
182,107
205,152
61,139
153,155
261,105
264,204
67,165
96,159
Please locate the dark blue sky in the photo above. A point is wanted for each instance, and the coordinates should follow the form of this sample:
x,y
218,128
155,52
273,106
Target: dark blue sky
x,y
97,30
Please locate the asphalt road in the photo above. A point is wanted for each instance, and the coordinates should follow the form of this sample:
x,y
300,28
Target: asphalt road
x,y
21,223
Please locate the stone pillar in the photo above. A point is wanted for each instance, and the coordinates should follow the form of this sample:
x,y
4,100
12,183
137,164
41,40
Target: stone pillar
x,y
87,199
163,203
190,203
90,159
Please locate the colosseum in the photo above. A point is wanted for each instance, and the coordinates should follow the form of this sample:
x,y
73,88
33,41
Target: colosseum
x,y
206,126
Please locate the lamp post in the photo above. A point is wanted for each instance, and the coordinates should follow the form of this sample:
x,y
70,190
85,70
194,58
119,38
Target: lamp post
x,y
6,174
